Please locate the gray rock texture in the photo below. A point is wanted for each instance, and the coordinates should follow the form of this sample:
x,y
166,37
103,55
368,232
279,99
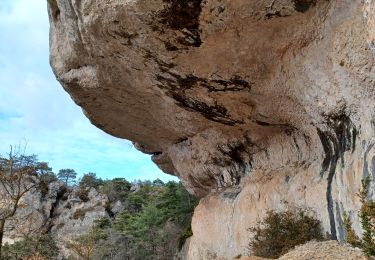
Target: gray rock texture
x,y
254,105
313,250
59,212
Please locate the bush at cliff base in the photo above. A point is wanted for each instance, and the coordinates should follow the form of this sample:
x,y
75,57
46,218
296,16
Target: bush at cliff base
x,y
281,231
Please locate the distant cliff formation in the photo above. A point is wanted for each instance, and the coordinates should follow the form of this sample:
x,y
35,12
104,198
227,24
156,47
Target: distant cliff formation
x,y
254,105
57,211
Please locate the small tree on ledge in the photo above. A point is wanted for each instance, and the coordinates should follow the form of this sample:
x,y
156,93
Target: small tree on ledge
x,y
67,175
18,176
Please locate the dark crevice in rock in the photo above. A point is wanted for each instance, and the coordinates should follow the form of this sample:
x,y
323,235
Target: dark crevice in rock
x,y
303,5
204,184
232,195
175,81
325,140
236,159
234,151
184,17
157,156
289,129
170,47
354,136
163,66
60,195
182,14
190,38
339,138
275,14
221,181
296,145
108,210
236,83
182,140
216,113
122,34
344,130
55,11
175,86
262,123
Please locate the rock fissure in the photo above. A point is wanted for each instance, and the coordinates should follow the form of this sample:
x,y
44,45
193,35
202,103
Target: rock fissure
x,y
183,16
304,5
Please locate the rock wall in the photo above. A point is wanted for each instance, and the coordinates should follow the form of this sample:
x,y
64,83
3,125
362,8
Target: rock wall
x,y
58,212
254,105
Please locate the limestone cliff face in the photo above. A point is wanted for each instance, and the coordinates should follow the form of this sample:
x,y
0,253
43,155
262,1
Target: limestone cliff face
x,y
59,212
254,105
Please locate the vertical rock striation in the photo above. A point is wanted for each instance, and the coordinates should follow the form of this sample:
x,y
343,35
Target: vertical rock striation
x,y
254,105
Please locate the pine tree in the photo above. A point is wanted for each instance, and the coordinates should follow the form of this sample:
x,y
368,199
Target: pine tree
x,y
67,175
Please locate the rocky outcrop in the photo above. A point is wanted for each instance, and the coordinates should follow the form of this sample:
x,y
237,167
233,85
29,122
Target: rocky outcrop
x,y
58,212
73,217
254,105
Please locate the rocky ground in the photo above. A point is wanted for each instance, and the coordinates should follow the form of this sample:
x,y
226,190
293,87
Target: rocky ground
x,y
328,250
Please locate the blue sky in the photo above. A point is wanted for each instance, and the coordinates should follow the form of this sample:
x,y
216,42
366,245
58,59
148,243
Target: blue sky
x,y
36,111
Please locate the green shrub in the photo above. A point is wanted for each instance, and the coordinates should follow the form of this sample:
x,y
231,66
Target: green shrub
x,y
43,245
84,245
90,180
68,205
81,213
184,236
45,180
280,232
367,217
350,235
83,193
102,223
154,223
116,189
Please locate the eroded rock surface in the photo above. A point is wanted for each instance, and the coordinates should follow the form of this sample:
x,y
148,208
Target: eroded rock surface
x,y
252,104
57,211
331,250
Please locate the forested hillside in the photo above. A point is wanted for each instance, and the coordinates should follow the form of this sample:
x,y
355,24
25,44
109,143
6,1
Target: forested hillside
x,y
153,223
89,218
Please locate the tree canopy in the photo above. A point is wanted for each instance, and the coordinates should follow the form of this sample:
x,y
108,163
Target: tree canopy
x,y
67,175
